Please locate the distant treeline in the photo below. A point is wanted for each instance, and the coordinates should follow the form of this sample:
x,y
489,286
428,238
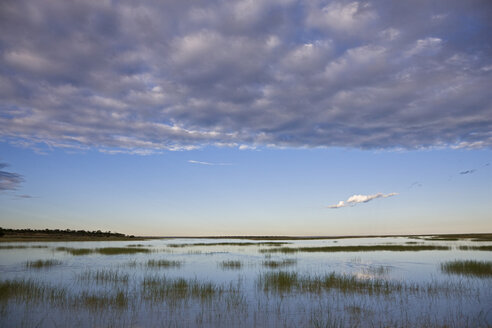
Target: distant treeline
x,y
58,232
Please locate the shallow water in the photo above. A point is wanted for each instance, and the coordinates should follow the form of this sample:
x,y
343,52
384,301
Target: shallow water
x,y
467,302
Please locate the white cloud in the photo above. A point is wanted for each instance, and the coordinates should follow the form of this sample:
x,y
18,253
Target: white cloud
x,y
346,17
356,199
208,163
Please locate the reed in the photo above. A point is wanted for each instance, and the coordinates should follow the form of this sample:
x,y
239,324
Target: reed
x,y
228,244
360,248
161,288
104,276
476,248
480,269
40,264
231,265
279,264
163,264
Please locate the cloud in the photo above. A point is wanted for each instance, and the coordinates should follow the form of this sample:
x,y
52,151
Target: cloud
x,y
357,199
155,76
208,163
9,180
468,172
24,196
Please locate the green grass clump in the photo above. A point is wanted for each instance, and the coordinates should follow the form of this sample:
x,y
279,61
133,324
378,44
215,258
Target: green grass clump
x,y
121,250
172,289
26,291
228,244
278,264
163,264
289,281
97,302
282,281
103,251
39,264
368,248
104,276
75,251
21,246
476,248
232,265
468,268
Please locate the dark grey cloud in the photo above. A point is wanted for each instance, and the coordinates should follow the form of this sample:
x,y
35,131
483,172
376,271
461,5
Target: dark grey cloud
x,y
9,180
468,172
140,77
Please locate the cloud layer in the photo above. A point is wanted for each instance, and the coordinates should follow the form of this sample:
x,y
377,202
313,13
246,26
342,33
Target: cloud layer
x,y
357,199
147,76
9,180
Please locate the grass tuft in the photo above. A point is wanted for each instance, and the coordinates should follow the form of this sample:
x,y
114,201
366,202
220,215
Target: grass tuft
x,y
162,288
468,268
104,276
476,248
368,248
163,264
279,264
231,265
39,264
103,251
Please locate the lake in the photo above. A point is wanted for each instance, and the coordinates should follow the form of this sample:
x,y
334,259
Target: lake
x,y
200,282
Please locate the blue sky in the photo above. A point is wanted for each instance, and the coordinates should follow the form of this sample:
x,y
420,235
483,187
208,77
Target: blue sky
x,y
246,117
264,191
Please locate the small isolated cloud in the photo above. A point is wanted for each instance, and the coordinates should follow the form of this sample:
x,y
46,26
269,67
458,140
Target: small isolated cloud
x,y
468,172
9,180
356,199
415,184
24,196
207,163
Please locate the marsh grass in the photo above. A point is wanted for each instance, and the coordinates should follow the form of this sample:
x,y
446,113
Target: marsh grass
x,y
41,264
103,251
75,251
476,248
98,302
121,250
229,244
26,291
22,246
468,268
368,248
231,265
379,270
156,288
104,276
279,264
283,281
163,264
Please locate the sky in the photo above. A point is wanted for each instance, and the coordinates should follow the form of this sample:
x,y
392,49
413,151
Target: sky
x,y
274,117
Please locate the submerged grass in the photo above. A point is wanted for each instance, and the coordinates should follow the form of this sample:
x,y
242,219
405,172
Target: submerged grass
x,y
104,276
40,264
163,264
283,281
231,265
368,248
468,268
229,244
30,291
279,264
103,251
476,248
97,302
161,289
22,246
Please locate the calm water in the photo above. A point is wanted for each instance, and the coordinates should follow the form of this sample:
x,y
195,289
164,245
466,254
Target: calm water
x,y
460,301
